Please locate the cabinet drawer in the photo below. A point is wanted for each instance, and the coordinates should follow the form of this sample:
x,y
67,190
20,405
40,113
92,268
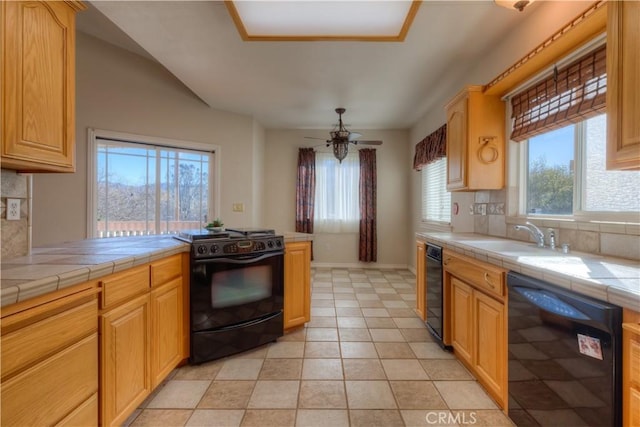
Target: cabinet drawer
x,y
121,287
39,340
482,276
165,270
49,391
85,415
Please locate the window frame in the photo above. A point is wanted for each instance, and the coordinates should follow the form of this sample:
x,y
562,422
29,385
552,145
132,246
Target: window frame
x,y
94,134
423,207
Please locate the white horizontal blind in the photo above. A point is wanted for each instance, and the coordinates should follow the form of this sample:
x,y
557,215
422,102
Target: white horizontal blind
x,y
436,201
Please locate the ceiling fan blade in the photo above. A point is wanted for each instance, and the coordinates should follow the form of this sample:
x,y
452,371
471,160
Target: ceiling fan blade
x,y
367,142
313,137
354,135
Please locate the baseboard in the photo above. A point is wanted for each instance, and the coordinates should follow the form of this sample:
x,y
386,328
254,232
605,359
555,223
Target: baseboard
x,y
361,265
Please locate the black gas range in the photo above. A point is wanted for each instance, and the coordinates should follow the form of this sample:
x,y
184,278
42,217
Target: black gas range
x,y
231,241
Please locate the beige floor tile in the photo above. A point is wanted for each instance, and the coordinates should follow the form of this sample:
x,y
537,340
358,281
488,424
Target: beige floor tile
x,y
274,394
404,369
395,304
256,353
322,418
162,417
323,294
206,371
227,395
401,312
380,322
281,369
347,304
433,417
180,394
363,369
132,417
215,418
464,395
322,303
361,285
286,350
323,311
354,334
240,369
386,335
321,349
371,304
417,395
394,350
344,297
298,334
348,312
322,395
375,418
343,290
269,418
369,395
430,350
351,322
416,335
485,418
322,369
322,334
322,322
362,296
358,350
375,312
408,322
440,369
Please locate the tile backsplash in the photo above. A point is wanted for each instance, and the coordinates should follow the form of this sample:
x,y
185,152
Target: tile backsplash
x,y
619,240
14,233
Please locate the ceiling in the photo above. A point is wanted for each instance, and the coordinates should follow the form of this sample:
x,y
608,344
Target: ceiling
x,y
298,84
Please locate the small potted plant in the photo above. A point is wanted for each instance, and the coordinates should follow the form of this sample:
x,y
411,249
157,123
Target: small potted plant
x,y
216,225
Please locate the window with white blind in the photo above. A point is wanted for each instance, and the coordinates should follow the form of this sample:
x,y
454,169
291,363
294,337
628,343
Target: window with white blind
x,y
143,188
436,200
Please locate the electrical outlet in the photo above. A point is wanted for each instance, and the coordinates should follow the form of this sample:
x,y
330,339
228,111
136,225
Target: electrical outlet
x,y
238,207
13,209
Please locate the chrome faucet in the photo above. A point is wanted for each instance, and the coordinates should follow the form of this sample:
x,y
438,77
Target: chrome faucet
x,y
534,231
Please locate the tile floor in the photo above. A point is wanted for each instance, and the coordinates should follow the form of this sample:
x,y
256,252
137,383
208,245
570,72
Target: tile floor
x,y
365,359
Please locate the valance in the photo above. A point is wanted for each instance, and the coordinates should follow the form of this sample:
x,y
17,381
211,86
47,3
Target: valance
x,y
430,149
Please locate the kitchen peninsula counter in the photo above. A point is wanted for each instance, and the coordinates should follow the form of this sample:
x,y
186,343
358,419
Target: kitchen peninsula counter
x,y
55,267
615,280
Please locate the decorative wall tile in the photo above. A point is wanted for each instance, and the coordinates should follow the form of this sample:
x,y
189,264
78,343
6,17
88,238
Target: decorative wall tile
x,y
624,246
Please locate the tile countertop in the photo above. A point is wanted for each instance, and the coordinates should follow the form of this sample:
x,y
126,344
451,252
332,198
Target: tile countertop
x,y
616,280
61,265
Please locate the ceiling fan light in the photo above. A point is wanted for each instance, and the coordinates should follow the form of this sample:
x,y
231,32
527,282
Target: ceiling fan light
x,y
340,150
514,4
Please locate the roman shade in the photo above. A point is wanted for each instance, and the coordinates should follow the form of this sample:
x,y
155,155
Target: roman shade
x,y
572,94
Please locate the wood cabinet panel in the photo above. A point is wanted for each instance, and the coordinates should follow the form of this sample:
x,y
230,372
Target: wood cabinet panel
x,y
122,286
47,392
165,270
84,415
421,283
297,284
38,82
482,275
124,360
166,330
631,369
462,319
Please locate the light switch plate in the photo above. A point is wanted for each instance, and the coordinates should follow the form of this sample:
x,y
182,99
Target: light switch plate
x,y
13,209
238,207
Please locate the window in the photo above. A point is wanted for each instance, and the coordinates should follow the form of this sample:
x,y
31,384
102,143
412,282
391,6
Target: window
x,y
436,200
141,189
337,194
566,173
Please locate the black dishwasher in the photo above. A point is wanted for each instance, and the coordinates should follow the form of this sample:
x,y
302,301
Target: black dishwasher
x,y
564,356
434,292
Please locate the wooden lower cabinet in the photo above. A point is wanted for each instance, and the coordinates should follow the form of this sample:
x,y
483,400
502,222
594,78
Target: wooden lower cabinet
x,y
297,284
631,369
125,379
50,362
166,330
421,283
476,315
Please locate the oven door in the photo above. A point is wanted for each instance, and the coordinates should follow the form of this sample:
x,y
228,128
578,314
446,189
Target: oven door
x,y
233,290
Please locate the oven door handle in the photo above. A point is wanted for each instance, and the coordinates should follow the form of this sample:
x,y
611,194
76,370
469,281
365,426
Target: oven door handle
x,y
246,259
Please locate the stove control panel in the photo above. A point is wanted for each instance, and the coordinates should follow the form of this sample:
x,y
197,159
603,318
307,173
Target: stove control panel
x,y
223,247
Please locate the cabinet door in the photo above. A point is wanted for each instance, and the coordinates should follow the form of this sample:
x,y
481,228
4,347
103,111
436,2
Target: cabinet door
x,y
462,319
631,373
490,358
623,91
166,330
421,288
38,125
124,369
297,284
456,144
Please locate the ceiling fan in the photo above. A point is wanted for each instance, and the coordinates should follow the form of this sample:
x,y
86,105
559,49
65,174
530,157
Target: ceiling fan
x,y
341,137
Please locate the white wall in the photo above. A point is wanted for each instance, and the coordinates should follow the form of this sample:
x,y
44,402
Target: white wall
x,y
119,91
539,22
281,158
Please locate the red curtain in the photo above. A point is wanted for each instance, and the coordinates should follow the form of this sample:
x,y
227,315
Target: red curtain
x,y
305,190
368,180
430,149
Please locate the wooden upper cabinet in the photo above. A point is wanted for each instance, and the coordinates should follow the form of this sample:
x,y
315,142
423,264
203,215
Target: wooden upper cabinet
x,y
623,81
475,141
38,85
